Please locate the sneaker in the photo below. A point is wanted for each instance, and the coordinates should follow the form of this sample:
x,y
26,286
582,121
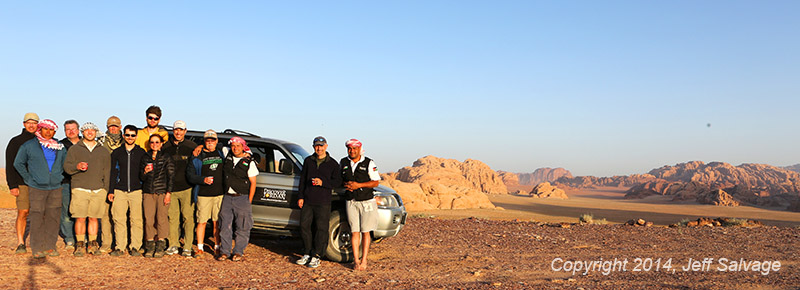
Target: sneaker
x,y
222,258
237,258
186,253
80,249
52,253
198,254
115,253
69,246
314,262
93,248
303,260
172,250
104,251
39,255
21,249
135,252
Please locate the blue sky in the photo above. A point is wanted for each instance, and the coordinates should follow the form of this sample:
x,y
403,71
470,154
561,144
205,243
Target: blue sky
x,y
597,87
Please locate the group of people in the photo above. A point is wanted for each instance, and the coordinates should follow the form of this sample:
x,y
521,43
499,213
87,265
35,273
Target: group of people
x,y
156,187
150,185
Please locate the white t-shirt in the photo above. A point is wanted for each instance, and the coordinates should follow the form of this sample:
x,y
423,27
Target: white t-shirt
x,y
372,169
252,171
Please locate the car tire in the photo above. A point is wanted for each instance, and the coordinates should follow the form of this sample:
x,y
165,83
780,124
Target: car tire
x,y
339,244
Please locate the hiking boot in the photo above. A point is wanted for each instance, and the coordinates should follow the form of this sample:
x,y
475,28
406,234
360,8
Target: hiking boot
x,y
69,246
172,250
115,253
52,253
186,253
303,260
80,249
314,262
198,253
135,253
237,258
104,251
222,257
94,248
39,255
161,245
21,249
149,249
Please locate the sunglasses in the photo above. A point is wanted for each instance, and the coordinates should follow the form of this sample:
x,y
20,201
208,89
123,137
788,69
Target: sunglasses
x,y
130,135
153,118
156,142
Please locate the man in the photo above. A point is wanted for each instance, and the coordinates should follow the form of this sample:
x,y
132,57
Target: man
x,y
319,177
89,164
67,223
153,114
15,182
205,171
360,176
181,200
240,186
40,163
111,141
127,194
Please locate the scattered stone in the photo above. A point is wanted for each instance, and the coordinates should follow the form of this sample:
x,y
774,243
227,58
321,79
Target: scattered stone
x,y
319,280
545,190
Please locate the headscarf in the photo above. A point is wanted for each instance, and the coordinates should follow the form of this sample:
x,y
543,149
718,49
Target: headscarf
x,y
48,143
239,140
354,143
90,126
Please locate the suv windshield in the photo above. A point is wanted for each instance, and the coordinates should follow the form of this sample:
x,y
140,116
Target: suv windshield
x,y
299,153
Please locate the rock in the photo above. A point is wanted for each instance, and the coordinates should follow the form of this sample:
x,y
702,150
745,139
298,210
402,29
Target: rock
x,y
640,222
432,195
648,224
450,172
508,178
545,190
717,197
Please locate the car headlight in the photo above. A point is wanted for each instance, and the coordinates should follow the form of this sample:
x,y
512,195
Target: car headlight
x,y
386,200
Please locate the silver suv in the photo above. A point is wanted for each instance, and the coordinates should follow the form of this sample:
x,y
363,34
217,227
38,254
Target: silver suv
x,y
275,209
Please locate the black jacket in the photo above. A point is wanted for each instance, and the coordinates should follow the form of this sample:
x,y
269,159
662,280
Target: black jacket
x,y
125,168
13,178
67,144
181,154
160,179
328,172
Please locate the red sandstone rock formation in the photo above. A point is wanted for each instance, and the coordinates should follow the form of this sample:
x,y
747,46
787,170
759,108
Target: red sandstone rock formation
x,y
545,190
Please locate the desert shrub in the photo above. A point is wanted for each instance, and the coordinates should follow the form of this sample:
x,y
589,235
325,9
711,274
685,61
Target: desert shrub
x,y
588,218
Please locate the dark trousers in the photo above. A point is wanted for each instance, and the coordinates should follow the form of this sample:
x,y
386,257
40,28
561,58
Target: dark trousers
x,y
67,222
45,215
319,215
235,209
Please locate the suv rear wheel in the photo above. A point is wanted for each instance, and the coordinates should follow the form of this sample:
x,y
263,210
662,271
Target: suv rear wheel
x,y
339,235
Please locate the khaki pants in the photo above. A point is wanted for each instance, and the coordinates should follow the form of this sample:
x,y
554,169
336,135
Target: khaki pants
x,y
105,228
156,219
181,204
124,201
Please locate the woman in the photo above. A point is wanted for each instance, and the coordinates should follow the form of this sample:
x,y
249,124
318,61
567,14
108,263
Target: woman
x,y
157,171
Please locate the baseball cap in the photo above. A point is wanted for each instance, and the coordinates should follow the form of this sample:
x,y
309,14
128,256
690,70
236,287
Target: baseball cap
x,y
31,116
179,125
210,134
113,121
319,140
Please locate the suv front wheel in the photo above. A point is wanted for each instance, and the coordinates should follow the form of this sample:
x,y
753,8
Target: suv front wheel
x,y
339,235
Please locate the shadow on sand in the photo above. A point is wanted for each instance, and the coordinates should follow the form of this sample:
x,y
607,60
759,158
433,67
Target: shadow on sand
x,y
616,215
32,265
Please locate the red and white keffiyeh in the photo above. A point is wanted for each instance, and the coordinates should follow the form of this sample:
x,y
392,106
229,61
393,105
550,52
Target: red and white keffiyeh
x,y
239,140
48,143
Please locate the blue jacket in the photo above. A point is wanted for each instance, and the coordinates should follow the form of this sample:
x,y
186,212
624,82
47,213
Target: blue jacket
x,y
32,166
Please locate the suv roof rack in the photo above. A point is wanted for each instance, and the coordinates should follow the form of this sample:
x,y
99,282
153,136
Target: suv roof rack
x,y
239,132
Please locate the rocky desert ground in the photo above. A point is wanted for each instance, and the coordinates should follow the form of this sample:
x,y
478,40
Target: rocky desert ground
x,y
462,253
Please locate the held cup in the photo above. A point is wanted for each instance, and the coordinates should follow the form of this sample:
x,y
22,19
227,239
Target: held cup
x,y
211,178
149,167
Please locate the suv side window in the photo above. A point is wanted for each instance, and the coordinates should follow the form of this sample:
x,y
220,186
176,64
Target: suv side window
x,y
268,157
